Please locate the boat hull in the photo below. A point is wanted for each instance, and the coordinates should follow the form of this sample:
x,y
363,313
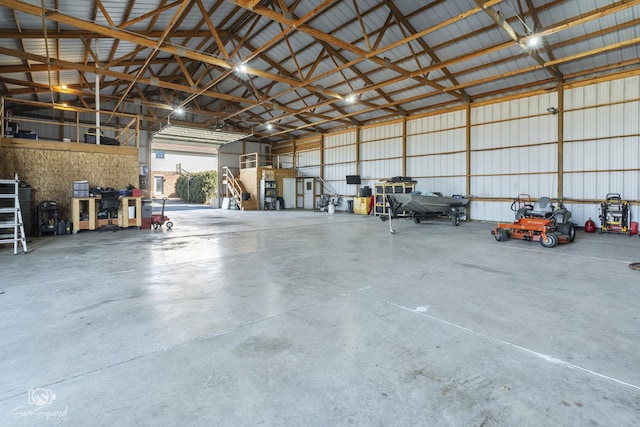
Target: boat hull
x,y
422,204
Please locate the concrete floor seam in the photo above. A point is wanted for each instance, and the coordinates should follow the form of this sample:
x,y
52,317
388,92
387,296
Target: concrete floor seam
x,y
541,356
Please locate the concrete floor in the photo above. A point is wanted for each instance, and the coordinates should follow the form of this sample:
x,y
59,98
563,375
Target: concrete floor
x,y
293,318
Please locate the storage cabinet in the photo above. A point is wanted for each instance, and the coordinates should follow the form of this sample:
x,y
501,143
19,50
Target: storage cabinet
x,y
268,194
362,205
382,189
130,212
83,213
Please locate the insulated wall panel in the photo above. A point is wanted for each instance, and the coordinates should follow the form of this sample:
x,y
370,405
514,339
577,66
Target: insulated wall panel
x,y
393,130
602,145
455,119
436,142
335,176
605,154
596,185
525,131
339,139
541,158
381,149
436,134
447,186
509,186
439,165
286,161
381,169
492,211
343,154
513,151
523,107
308,163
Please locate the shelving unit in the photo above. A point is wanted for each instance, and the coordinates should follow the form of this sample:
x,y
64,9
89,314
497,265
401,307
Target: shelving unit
x,y
268,194
382,189
130,212
83,213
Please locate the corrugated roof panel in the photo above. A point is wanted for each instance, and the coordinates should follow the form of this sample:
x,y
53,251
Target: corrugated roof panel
x,y
305,53
613,57
458,29
72,50
68,77
428,102
13,76
516,81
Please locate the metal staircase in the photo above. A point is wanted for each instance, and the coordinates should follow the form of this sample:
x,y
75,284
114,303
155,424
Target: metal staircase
x,y
11,224
234,187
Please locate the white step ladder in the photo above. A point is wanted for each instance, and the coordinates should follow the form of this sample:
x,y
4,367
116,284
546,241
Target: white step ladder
x,y
11,225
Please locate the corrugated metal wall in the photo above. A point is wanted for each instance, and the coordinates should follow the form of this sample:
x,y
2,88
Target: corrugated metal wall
x,y
436,153
602,140
513,151
339,160
381,152
308,162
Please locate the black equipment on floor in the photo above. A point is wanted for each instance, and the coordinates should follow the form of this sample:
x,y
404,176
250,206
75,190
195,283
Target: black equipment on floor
x,y
48,217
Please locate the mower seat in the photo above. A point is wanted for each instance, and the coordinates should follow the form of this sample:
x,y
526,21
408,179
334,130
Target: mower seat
x,y
542,208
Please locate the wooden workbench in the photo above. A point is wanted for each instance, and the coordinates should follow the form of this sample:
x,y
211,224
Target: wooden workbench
x,y
90,205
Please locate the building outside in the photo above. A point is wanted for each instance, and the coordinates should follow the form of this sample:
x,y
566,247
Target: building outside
x,y
169,161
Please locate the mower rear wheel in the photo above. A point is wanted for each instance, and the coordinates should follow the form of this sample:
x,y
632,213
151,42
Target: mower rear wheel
x,y
550,241
568,229
169,224
501,235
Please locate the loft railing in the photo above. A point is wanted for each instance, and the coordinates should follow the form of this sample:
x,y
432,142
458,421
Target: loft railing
x,y
59,122
259,160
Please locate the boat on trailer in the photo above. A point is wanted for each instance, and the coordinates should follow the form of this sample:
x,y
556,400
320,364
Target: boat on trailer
x,y
419,206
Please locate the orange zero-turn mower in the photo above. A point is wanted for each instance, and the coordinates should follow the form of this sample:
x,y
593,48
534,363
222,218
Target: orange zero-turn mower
x,y
541,230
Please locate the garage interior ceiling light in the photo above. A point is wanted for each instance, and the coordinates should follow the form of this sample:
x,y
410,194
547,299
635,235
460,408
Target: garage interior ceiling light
x,y
173,133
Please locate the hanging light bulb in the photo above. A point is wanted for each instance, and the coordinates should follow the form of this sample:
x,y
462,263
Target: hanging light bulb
x,y
533,41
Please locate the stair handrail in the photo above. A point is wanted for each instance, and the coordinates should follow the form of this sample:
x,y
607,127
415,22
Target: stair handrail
x,y
233,184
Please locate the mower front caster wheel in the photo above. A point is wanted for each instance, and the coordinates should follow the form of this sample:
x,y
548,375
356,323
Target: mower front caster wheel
x,y
550,241
155,226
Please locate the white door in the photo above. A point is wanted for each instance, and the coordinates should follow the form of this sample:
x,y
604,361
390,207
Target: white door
x,y
158,185
289,192
308,193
